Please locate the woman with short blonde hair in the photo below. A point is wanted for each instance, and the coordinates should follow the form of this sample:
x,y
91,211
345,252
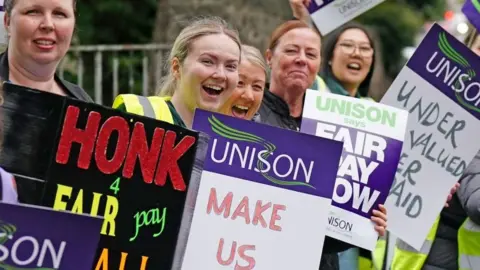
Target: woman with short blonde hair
x,y
248,95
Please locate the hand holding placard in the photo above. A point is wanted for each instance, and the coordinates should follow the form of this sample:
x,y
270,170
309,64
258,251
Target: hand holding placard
x,y
372,136
439,86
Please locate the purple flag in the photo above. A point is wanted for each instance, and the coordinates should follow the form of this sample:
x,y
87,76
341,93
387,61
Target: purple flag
x,y
471,9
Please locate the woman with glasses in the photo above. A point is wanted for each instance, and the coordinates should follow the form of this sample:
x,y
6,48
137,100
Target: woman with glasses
x,y
348,60
347,68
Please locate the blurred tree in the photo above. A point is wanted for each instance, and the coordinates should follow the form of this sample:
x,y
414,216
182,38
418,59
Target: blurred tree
x,y
430,9
394,34
113,22
397,24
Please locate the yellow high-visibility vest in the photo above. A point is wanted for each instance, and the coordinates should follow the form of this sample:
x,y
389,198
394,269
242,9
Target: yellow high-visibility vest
x,y
406,257
153,106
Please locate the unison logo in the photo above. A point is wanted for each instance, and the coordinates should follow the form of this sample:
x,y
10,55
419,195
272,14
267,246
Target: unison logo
x,y
251,158
37,252
456,72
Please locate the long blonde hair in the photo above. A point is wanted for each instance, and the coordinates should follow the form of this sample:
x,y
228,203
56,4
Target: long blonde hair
x,y
180,49
254,56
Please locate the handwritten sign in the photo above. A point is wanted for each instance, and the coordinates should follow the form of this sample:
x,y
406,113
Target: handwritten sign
x,y
440,87
39,238
132,170
262,195
372,136
330,14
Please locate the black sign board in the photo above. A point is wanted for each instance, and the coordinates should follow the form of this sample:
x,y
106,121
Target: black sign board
x,y
30,120
132,170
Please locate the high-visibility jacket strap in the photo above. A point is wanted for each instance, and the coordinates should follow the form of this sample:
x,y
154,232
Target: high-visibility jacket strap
x,y
469,245
407,257
154,106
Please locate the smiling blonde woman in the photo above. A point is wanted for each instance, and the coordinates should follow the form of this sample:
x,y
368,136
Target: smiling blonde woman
x,y
203,72
248,95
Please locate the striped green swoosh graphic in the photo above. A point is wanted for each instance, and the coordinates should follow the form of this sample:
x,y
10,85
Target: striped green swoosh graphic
x,y
476,4
237,135
6,231
454,56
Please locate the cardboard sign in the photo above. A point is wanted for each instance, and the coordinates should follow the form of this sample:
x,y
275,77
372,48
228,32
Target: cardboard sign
x,y
30,120
263,198
40,238
373,136
330,14
440,87
132,170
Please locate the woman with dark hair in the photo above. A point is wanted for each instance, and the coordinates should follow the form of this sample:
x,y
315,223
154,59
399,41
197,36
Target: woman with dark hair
x,y
347,68
348,60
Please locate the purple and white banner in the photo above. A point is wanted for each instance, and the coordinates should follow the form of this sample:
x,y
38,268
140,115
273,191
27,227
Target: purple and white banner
x,y
33,237
263,193
330,14
440,88
372,136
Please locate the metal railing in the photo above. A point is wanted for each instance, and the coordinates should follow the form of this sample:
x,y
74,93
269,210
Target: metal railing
x,y
149,58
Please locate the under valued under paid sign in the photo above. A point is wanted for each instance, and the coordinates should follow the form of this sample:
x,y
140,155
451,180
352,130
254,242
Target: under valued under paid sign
x,y
132,170
440,87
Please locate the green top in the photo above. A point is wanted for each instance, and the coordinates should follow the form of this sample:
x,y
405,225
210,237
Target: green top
x,y
177,120
338,89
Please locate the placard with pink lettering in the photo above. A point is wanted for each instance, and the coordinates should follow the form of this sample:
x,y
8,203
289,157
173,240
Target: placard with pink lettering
x,y
263,198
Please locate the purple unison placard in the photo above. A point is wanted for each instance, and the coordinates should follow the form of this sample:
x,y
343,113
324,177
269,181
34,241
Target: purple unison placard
x,y
42,239
471,9
372,136
380,176
450,66
269,155
318,4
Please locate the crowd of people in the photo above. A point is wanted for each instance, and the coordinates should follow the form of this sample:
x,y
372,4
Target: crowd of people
x,y
209,68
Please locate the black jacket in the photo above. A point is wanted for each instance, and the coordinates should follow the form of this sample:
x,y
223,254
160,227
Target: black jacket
x,y
72,90
30,191
274,111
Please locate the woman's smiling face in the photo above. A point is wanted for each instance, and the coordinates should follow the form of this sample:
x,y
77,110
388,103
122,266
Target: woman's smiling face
x,y
248,95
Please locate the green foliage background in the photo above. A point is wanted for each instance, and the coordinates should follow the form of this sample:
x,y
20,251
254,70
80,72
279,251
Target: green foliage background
x,y
396,23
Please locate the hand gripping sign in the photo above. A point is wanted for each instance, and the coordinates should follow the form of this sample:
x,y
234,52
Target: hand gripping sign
x,y
263,194
440,87
372,136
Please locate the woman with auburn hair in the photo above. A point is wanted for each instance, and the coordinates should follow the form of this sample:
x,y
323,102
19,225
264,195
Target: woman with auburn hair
x,y
248,95
294,58
202,73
